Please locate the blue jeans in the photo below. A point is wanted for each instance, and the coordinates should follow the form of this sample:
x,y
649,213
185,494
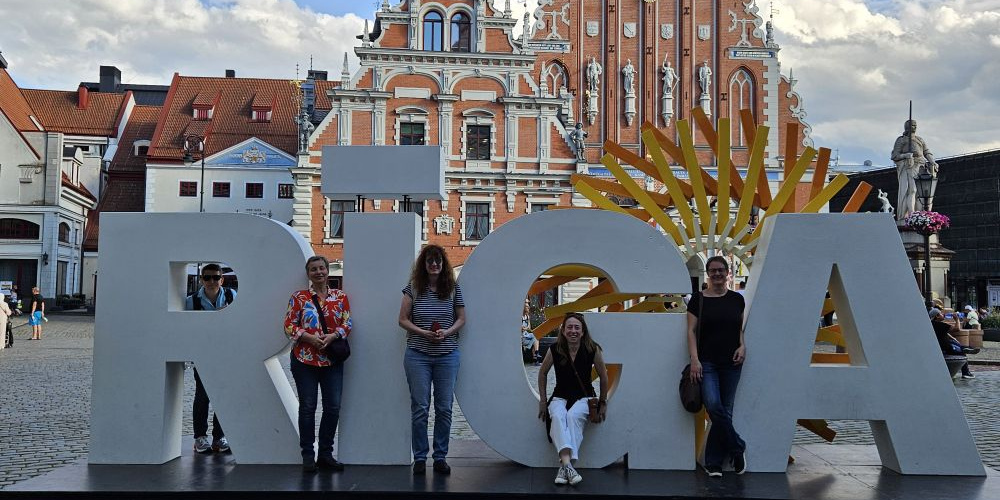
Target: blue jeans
x,y
310,380
422,371
718,391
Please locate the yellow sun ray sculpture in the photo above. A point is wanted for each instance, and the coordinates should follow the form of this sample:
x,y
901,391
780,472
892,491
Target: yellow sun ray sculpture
x,y
683,210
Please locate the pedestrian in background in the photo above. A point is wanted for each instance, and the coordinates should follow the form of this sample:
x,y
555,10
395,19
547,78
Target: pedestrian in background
x,y
4,319
432,312
315,318
37,313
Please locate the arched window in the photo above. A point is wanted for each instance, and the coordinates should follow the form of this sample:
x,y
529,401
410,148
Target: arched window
x,y
18,229
555,77
433,31
63,232
741,96
461,33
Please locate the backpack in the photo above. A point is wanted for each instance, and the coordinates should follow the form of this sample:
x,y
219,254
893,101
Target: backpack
x,y
196,304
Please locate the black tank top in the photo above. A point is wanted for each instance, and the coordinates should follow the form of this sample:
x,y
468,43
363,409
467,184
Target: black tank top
x,y
567,384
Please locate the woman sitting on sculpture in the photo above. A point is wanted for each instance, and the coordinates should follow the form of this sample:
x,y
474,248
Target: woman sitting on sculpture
x,y
574,355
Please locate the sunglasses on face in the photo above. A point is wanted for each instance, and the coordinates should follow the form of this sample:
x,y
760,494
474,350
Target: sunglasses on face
x,y
212,277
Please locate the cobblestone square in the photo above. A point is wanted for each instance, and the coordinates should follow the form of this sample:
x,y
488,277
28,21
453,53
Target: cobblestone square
x,y
45,401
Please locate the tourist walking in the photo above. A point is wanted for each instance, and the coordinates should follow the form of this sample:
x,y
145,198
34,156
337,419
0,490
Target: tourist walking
x,y
316,317
715,343
432,312
211,296
574,355
4,319
37,313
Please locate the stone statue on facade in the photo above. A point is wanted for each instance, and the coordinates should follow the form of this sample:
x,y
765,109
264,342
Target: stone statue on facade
x,y
883,198
705,77
306,128
578,135
911,156
669,78
594,72
628,77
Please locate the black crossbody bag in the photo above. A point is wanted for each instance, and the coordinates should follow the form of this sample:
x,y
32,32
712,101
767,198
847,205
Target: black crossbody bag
x,y
338,350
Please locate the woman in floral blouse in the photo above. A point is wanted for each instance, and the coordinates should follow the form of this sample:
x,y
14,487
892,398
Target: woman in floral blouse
x,y
311,367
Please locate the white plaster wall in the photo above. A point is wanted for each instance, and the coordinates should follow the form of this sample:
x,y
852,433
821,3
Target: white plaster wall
x,y
165,183
13,152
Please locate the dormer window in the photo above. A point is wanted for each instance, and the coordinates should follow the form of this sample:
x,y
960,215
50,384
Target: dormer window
x,y
140,148
260,108
203,106
202,113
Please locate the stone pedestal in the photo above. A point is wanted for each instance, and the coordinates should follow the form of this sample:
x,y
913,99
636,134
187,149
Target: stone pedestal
x,y
913,242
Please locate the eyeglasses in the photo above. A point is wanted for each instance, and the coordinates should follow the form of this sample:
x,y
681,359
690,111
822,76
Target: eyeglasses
x,y
718,271
212,277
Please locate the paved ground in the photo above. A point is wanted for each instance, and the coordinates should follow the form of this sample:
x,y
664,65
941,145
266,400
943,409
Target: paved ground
x,y
45,401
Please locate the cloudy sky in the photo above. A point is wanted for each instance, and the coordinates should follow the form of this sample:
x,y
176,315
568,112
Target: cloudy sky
x,y
857,62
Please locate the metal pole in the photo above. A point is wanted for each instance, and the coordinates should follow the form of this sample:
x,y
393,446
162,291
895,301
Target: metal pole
x,y
927,270
201,197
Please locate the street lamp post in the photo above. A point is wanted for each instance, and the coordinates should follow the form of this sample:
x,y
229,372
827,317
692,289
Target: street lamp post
x,y
926,185
190,143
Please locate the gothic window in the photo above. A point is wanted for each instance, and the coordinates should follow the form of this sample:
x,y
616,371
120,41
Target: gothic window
x,y
18,229
461,33
433,31
478,137
555,77
741,96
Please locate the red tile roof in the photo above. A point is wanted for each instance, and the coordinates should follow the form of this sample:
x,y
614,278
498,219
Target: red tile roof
x,y
230,123
58,111
124,192
322,100
14,105
140,126
79,188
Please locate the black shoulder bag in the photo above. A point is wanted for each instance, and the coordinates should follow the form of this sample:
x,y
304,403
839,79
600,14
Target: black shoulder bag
x,y
690,390
338,350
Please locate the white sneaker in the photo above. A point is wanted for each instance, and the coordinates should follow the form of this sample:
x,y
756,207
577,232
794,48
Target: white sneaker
x,y
202,445
561,477
221,445
572,475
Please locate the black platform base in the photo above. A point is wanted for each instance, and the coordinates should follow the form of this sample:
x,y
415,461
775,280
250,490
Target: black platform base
x,y
819,472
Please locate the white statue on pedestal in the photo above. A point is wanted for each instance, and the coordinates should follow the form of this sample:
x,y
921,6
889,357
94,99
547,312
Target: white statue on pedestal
x,y
912,156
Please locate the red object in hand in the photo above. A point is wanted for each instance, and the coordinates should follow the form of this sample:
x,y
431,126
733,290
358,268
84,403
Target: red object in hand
x,y
435,326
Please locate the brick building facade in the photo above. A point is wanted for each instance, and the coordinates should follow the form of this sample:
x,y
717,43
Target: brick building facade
x,y
502,103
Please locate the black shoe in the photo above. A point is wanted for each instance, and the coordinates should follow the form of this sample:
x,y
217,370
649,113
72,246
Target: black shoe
x,y
308,464
713,470
970,350
740,462
329,463
442,467
419,468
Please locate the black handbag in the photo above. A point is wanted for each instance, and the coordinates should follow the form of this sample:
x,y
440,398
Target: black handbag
x,y
690,390
338,350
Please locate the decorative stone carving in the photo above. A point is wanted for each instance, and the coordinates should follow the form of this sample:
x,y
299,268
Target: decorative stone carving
x,y
560,15
629,30
667,31
444,224
593,28
305,130
884,198
704,31
705,80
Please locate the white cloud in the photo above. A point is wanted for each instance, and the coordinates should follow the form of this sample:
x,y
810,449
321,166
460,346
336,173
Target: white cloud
x,y
857,68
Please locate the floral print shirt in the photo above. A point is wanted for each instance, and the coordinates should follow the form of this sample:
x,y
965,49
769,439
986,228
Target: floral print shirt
x,y
301,318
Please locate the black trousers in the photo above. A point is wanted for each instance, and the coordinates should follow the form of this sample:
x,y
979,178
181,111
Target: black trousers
x,y
199,412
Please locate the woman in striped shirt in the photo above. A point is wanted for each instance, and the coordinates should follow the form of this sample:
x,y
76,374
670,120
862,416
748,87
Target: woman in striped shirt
x,y
432,313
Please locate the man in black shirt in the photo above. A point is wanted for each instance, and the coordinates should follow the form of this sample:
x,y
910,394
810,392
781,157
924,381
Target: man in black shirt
x,y
948,343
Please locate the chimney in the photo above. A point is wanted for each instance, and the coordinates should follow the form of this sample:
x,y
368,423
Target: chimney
x,y
317,74
111,78
230,73
83,98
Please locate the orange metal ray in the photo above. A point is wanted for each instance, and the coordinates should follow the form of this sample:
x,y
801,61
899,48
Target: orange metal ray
x,y
750,133
694,173
724,158
678,155
644,165
826,194
615,188
860,193
819,174
819,428
726,178
549,283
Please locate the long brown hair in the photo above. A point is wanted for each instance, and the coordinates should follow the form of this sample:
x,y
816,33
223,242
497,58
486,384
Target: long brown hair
x,y
587,343
419,277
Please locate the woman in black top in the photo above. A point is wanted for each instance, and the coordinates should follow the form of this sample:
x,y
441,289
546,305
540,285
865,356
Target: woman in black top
x,y
37,313
717,354
573,356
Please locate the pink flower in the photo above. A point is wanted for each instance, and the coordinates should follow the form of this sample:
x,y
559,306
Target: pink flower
x,y
926,222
